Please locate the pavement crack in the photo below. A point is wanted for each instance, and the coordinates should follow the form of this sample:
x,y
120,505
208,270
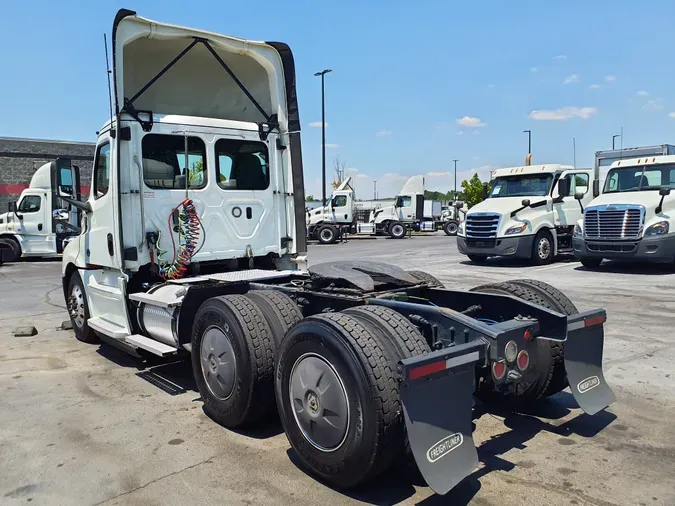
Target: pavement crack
x,y
48,299
140,487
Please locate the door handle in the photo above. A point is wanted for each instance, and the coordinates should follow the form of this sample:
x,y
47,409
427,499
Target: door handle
x,y
110,245
40,227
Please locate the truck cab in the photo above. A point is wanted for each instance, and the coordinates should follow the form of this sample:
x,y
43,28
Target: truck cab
x,y
632,219
38,224
529,213
407,210
325,223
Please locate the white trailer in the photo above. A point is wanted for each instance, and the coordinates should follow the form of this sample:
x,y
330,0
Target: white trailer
x,y
193,243
39,224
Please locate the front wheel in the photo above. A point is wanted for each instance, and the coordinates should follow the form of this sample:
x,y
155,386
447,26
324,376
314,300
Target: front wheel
x,y
542,250
327,234
13,247
396,230
591,263
78,310
450,227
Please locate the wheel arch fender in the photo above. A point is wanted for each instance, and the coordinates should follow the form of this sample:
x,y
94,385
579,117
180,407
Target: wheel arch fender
x,y
68,270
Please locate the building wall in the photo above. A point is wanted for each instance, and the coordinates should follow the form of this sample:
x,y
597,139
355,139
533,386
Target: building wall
x,y
20,158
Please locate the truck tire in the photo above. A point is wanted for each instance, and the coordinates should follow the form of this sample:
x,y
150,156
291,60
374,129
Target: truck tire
x,y
327,234
542,249
396,230
233,360
332,366
559,302
14,246
426,278
548,354
478,259
591,262
280,311
78,310
450,227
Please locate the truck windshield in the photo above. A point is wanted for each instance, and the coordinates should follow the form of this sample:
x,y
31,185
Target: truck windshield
x,y
521,186
640,178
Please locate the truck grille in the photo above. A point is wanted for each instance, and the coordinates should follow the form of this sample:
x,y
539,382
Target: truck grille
x,y
482,225
613,222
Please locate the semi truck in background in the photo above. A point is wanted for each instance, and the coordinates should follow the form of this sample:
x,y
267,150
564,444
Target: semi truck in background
x,y
440,217
529,212
632,219
326,224
39,224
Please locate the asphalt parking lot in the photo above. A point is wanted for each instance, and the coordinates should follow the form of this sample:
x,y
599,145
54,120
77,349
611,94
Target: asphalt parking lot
x,y
86,424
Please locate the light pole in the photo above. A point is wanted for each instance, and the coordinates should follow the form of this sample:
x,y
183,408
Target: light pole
x,y
323,134
614,137
529,146
374,190
455,198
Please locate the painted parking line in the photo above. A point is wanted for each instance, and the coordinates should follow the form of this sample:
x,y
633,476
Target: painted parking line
x,y
557,266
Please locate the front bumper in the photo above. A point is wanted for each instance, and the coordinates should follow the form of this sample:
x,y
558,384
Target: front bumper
x,y
649,249
518,247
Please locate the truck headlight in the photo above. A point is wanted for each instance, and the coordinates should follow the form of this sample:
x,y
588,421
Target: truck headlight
x,y
659,228
460,229
577,230
517,229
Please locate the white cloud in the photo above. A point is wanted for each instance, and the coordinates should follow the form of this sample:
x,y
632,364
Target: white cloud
x,y
533,69
595,86
395,176
361,175
475,157
438,174
642,93
671,114
654,104
610,79
351,170
460,132
469,121
383,133
475,132
563,113
332,146
316,124
560,57
574,78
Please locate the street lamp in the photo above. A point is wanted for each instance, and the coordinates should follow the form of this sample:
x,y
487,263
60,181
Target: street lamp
x,y
455,199
529,146
614,137
323,133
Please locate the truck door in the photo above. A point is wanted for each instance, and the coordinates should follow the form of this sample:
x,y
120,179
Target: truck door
x,y
35,224
405,208
341,205
567,211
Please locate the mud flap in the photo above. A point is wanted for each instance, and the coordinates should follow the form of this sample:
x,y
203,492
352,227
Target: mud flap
x,y
437,397
583,361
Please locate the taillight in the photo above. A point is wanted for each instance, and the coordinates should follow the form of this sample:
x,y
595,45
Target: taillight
x,y
498,369
425,370
527,335
511,351
523,360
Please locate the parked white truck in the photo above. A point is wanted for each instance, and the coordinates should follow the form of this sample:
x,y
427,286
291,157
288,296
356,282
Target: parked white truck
x,y
326,223
193,243
530,213
634,218
39,225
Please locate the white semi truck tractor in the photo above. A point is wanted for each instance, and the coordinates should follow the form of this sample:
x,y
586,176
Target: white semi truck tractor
x,y
529,213
38,224
193,243
633,218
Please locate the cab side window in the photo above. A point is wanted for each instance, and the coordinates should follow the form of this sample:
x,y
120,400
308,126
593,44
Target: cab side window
x,y
102,171
30,204
340,201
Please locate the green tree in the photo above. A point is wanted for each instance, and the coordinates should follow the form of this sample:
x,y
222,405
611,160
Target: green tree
x,y
310,198
473,190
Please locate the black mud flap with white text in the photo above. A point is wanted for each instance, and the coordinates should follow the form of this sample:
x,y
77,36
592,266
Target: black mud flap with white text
x,y
583,361
437,397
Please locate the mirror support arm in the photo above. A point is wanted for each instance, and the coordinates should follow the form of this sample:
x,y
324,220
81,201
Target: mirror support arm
x,y
84,206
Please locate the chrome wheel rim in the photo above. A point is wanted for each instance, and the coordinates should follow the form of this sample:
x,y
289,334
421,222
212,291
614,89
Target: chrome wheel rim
x,y
76,305
452,228
327,235
397,230
544,248
319,402
219,364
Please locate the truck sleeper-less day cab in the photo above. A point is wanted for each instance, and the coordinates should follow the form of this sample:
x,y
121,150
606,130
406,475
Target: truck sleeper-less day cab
x,y
37,226
530,213
193,242
632,219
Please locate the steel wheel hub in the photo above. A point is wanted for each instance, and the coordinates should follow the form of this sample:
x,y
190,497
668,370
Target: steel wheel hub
x,y
76,305
326,235
319,402
544,248
219,364
397,230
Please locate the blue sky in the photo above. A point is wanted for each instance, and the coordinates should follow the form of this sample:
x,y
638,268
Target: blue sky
x,y
414,84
